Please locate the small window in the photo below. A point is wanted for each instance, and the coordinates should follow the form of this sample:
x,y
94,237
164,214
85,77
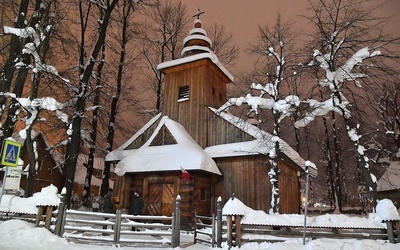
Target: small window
x,y
213,91
97,173
183,93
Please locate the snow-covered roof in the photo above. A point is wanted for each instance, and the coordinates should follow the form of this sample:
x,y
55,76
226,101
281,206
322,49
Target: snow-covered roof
x,y
195,36
390,180
196,41
121,152
186,154
238,149
197,57
264,142
15,204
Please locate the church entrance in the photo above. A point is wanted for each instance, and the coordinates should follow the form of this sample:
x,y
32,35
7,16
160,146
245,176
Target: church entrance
x,y
160,195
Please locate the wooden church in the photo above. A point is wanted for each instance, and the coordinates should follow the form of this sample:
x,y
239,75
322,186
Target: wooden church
x,y
222,154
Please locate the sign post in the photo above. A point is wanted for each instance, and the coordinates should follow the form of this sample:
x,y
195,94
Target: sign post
x,y
306,204
9,158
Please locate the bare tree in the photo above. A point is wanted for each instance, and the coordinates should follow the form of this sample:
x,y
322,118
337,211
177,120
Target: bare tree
x,y
160,41
125,35
221,44
271,50
347,34
29,53
87,62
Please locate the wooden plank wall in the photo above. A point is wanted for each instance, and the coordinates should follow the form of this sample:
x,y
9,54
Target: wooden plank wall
x,y
289,189
206,89
247,177
222,132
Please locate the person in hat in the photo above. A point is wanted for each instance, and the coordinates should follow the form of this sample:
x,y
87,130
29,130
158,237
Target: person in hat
x,y
137,204
117,205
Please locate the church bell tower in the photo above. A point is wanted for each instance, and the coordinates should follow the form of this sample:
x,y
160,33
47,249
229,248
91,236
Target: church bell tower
x,y
193,83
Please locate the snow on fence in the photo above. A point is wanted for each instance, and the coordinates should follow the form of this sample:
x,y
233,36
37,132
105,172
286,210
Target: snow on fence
x,y
208,229
119,228
247,225
36,209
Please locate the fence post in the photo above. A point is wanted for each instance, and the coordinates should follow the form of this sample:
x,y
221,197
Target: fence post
x,y
176,230
219,222
64,216
117,227
229,227
213,228
60,212
238,230
39,215
195,228
49,214
173,229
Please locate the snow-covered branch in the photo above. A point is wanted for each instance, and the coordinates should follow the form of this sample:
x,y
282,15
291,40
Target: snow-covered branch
x,y
322,108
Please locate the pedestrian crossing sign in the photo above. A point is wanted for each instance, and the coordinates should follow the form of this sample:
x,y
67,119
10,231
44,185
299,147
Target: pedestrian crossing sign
x,y
10,153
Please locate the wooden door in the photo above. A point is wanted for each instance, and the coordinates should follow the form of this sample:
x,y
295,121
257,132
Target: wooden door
x,y
160,199
167,203
154,198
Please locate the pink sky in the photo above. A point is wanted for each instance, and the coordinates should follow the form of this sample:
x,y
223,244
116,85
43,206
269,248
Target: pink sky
x,y
242,17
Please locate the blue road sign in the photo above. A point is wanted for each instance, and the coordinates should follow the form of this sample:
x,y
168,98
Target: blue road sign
x,y
10,155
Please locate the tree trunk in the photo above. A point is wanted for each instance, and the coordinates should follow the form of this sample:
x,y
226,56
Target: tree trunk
x,y
15,51
127,8
93,132
74,143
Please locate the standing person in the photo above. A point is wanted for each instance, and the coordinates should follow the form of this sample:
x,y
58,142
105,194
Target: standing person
x,y
136,207
117,205
108,205
96,204
137,204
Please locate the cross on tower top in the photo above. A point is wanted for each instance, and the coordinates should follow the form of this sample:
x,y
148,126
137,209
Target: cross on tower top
x,y
198,13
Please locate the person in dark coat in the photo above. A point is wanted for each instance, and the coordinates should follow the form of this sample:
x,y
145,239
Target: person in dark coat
x,y
137,204
108,204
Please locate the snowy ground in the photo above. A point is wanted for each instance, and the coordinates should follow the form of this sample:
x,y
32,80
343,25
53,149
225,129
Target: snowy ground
x,y
17,234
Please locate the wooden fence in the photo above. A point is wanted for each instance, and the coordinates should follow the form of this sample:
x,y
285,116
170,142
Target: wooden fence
x,y
123,228
238,233
211,227
119,228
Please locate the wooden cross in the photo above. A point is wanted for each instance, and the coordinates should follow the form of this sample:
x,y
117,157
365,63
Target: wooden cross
x,y
198,13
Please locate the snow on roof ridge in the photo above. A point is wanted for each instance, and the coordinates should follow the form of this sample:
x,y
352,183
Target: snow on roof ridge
x,y
195,47
121,151
263,136
196,37
196,57
140,131
198,30
188,154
